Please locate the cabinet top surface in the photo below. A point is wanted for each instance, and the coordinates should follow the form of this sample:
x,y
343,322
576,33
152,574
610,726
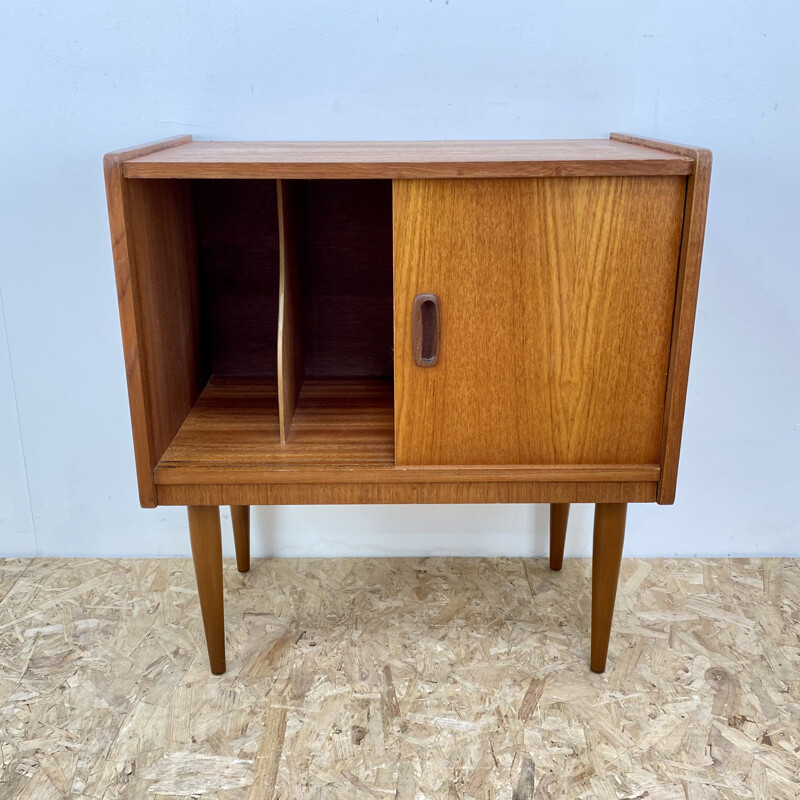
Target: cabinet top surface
x,y
444,159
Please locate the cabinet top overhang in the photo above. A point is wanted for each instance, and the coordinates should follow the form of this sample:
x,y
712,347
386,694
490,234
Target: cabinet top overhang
x,y
465,159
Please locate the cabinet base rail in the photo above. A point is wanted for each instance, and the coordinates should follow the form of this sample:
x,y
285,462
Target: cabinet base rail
x,y
206,541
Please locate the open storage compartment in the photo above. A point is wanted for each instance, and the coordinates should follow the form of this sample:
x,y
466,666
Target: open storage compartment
x,y
266,314
236,226
335,331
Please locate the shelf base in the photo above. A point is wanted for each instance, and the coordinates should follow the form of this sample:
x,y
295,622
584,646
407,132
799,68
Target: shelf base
x,y
339,422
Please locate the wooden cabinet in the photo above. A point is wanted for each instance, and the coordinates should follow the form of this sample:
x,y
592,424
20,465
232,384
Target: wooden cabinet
x,y
407,322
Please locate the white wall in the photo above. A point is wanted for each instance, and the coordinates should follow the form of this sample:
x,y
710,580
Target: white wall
x,y
82,78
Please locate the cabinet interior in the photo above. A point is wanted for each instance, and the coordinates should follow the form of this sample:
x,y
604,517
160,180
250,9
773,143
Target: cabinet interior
x,y
300,380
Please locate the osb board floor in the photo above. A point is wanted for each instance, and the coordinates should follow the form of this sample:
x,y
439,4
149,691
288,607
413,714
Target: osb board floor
x,y
400,678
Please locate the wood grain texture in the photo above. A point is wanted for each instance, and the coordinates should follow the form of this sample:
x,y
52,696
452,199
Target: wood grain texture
x,y
240,519
130,312
559,516
161,236
174,472
206,540
609,536
556,303
234,424
342,433
290,326
694,226
474,159
290,471
458,491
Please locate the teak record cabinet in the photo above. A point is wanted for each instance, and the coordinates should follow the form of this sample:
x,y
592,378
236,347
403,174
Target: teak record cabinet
x,y
421,322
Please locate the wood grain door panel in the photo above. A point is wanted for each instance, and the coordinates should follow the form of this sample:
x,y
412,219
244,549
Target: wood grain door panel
x,y
556,300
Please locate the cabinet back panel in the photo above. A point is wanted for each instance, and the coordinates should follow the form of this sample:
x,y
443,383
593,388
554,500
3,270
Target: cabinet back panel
x,y
556,301
237,234
344,237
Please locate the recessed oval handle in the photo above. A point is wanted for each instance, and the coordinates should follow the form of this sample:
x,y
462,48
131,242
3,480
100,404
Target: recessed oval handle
x,y
425,330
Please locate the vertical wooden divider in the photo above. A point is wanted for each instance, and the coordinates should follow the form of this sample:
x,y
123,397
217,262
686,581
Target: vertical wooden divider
x,y
290,330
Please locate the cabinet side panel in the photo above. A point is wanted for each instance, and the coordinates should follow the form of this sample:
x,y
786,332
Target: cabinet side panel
x,y
556,301
163,255
694,226
128,312
683,329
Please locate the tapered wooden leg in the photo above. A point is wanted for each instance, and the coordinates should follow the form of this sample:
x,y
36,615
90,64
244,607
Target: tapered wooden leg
x,y
609,534
206,537
240,516
559,514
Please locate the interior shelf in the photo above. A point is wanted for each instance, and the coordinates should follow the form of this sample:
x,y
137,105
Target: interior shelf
x,y
338,422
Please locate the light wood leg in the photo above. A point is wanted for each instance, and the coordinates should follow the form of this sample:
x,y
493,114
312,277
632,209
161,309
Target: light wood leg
x,y
240,516
609,534
206,537
559,514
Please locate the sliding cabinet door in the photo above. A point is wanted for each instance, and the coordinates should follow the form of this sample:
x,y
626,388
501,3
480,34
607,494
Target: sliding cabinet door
x,y
533,318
